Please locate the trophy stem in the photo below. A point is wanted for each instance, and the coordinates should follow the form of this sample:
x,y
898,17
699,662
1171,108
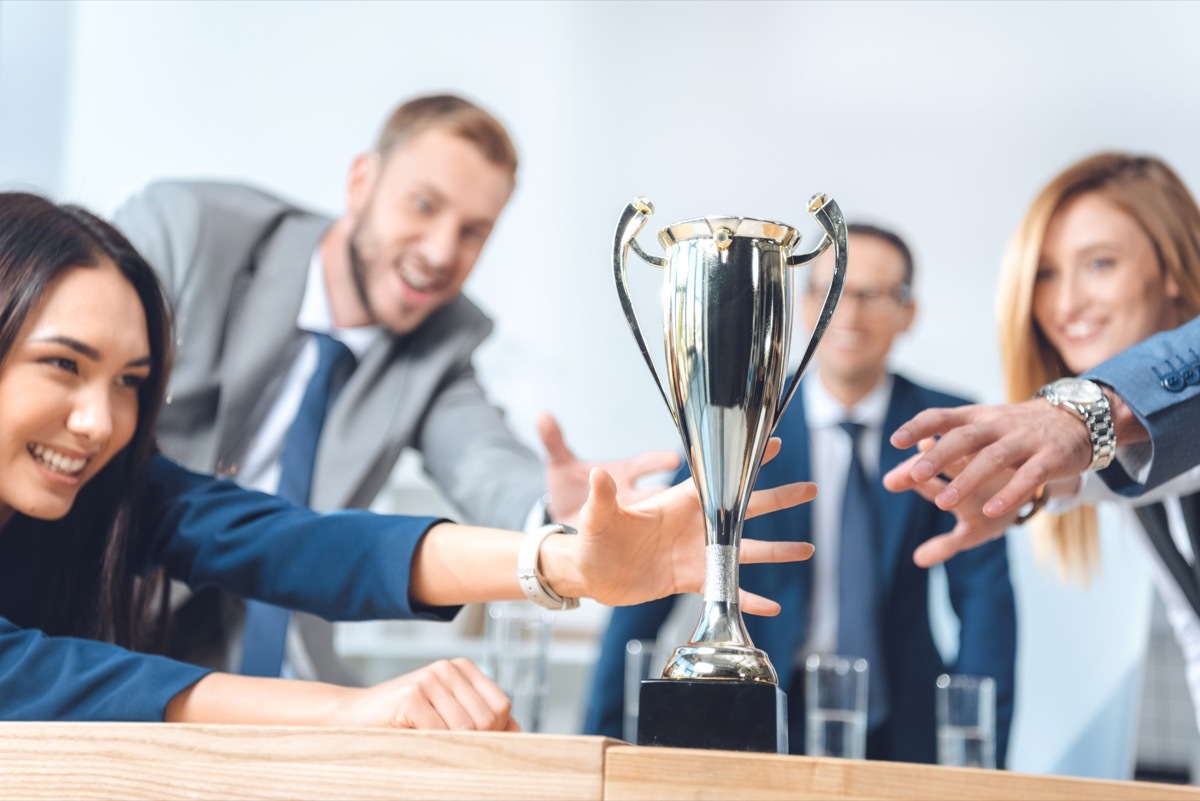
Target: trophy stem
x,y
720,647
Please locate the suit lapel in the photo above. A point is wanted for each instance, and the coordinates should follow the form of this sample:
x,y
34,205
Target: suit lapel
x,y
895,508
394,386
1190,504
1154,520
261,336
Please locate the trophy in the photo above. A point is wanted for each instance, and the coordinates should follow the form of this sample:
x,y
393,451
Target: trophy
x,y
728,299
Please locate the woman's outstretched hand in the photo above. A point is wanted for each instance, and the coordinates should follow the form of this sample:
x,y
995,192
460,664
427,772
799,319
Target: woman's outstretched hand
x,y
631,554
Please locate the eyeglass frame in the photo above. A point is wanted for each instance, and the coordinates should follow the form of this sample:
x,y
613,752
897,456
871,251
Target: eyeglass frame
x,y
871,299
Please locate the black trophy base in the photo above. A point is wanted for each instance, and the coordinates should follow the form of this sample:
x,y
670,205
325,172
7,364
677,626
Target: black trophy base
x,y
719,714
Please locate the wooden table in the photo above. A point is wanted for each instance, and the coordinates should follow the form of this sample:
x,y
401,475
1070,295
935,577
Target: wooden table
x,y
160,761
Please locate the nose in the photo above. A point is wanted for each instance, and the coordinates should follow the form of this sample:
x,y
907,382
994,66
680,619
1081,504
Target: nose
x,y
439,245
1068,295
91,416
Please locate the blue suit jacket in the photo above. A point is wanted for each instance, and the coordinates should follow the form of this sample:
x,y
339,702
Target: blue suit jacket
x,y
980,592
205,532
1159,379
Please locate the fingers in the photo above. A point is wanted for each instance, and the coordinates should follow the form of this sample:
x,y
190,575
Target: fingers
x,y
899,478
1018,491
552,439
451,694
930,489
936,550
774,445
929,423
759,551
753,604
782,497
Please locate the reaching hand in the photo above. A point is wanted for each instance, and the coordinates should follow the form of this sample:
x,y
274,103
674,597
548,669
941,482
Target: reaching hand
x,y
665,533
449,694
567,476
972,527
1033,440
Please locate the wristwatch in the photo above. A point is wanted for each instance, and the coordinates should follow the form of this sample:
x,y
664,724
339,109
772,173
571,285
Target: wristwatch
x,y
527,573
1085,399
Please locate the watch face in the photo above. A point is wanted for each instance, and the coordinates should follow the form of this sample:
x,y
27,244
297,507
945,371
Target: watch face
x,y
1076,390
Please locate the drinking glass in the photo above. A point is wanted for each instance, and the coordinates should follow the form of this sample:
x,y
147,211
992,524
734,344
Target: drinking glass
x,y
835,706
966,721
516,656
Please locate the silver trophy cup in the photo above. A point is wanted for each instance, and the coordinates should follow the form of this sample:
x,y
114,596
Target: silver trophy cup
x,y
728,300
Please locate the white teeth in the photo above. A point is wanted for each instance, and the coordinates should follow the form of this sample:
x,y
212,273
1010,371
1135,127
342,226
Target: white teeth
x,y
417,282
56,461
1080,329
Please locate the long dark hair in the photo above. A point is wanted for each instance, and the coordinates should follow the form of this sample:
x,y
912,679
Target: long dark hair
x,y
93,553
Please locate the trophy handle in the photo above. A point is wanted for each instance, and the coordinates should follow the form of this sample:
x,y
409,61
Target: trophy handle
x,y
631,222
830,218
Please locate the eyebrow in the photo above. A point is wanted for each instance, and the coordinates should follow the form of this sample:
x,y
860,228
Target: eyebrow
x,y
89,351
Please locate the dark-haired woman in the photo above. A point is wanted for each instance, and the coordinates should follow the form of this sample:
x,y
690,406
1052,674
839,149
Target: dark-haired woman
x,y
86,510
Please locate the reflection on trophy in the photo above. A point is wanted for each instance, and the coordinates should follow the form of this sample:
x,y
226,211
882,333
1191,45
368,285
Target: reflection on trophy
x,y
727,328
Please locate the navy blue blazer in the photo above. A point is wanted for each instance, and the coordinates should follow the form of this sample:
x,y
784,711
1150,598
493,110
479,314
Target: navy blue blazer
x,y
980,592
345,565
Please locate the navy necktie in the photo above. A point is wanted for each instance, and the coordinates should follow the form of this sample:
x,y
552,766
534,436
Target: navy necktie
x,y
859,584
265,633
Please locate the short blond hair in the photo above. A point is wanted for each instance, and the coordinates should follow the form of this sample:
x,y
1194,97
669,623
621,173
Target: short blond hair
x,y
455,115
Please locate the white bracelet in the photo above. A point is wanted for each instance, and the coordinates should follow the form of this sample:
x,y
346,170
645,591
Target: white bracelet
x,y
527,573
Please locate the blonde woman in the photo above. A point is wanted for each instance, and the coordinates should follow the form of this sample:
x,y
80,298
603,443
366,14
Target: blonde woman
x,y
1106,257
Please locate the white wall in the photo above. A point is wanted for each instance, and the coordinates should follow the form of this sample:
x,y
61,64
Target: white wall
x,y
940,119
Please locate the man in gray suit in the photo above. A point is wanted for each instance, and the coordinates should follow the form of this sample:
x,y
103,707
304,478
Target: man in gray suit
x,y
254,279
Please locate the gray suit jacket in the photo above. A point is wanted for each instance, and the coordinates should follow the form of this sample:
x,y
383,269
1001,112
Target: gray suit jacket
x,y
233,261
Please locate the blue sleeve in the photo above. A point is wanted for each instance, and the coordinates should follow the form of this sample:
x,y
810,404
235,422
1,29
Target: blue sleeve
x,y
982,596
351,565
1159,379
64,678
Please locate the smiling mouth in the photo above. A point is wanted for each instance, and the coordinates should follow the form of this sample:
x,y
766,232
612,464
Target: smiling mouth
x,y
419,277
58,462
1080,330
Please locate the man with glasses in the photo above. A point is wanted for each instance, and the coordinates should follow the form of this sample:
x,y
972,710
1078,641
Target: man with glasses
x,y
860,595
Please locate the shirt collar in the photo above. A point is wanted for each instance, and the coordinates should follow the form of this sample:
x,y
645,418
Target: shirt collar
x,y
824,411
316,317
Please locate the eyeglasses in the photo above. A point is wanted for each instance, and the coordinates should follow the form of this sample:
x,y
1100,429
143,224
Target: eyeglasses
x,y
872,300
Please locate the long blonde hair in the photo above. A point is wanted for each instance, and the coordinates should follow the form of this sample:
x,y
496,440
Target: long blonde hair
x,y
1153,196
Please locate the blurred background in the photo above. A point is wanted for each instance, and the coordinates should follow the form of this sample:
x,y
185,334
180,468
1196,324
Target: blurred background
x,y
940,120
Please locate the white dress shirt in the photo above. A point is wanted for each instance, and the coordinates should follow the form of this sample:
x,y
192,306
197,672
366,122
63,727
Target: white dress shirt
x,y
829,457
1183,619
261,468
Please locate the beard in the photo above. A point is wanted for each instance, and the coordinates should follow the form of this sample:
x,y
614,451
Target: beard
x,y
358,275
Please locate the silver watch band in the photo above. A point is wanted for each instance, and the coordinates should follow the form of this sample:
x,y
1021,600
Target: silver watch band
x,y
527,573
1095,412
1103,433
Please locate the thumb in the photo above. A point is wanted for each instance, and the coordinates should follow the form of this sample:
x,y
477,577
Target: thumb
x,y
552,438
602,495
